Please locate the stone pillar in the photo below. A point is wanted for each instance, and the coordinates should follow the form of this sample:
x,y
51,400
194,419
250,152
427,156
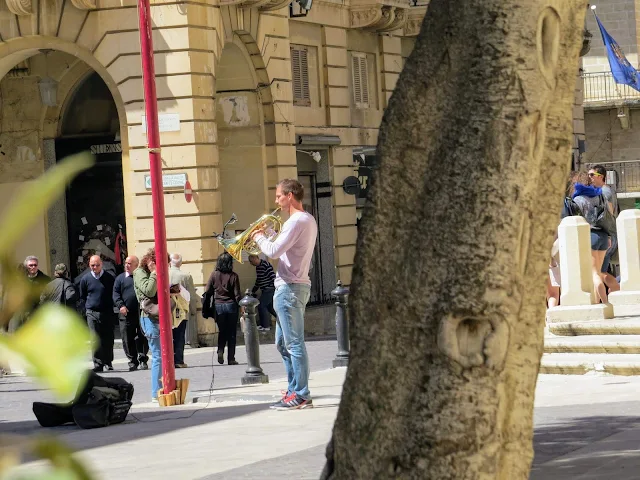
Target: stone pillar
x,y
627,301
391,53
577,291
334,45
187,48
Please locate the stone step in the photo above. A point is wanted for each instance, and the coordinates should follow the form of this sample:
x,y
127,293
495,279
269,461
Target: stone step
x,y
613,344
615,326
582,363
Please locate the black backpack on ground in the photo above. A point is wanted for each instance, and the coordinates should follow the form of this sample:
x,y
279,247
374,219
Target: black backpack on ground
x,y
102,401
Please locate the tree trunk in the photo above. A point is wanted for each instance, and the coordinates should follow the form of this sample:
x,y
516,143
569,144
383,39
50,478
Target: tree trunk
x,y
448,288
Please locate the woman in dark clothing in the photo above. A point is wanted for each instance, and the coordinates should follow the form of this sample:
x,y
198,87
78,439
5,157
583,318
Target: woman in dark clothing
x,y
224,285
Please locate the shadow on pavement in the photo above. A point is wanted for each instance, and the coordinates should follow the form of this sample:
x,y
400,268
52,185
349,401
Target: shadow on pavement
x,y
139,425
556,440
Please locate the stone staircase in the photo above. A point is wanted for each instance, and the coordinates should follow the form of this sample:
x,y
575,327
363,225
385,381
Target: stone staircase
x,y
596,346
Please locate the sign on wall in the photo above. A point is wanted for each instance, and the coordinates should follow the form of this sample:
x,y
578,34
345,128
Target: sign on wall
x,y
169,181
167,122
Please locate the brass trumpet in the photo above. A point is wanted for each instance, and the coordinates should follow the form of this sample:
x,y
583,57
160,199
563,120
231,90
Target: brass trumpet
x,y
270,223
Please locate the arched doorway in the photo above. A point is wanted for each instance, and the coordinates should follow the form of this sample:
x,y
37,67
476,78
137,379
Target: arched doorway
x,y
95,213
41,126
241,144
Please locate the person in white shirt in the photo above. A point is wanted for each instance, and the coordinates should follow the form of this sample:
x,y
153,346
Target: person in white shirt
x,y
294,248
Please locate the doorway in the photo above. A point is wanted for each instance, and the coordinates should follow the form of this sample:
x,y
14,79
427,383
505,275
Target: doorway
x,y
310,204
95,199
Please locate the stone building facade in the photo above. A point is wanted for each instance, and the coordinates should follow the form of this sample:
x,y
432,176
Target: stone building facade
x,y
611,111
249,92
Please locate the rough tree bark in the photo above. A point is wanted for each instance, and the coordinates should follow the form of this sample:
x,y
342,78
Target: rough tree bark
x,y
448,289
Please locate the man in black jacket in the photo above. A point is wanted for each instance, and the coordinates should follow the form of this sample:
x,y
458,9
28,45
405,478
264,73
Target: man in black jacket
x,y
96,291
134,342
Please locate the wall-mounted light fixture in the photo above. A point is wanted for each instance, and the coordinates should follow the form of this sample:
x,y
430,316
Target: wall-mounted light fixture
x,y
47,85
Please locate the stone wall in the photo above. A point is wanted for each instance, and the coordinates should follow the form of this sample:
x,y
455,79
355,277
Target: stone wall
x,y
620,18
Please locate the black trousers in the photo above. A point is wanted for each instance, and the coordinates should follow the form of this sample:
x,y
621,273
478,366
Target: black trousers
x,y
227,320
134,343
102,323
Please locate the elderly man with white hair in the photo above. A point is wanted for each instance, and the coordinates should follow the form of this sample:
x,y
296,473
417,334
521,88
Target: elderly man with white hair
x,y
178,277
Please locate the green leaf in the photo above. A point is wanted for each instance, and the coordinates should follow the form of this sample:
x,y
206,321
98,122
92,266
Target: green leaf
x,y
33,200
55,343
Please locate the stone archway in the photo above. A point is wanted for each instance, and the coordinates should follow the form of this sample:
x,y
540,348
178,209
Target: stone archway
x,y
30,128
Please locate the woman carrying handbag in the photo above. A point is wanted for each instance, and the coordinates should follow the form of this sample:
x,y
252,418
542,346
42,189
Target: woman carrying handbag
x,y
223,288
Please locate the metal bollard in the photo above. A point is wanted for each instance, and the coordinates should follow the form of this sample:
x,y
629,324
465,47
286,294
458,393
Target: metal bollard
x,y
254,373
341,295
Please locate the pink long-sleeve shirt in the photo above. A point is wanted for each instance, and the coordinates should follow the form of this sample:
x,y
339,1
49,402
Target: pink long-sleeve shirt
x,y
294,247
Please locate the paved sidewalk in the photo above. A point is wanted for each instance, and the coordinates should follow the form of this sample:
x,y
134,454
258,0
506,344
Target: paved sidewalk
x,y
199,440
586,427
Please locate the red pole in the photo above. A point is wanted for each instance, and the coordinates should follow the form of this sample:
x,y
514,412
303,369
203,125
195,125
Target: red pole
x,y
157,195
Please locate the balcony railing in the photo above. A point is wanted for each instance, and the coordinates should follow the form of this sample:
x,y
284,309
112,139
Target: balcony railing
x,y
624,177
601,90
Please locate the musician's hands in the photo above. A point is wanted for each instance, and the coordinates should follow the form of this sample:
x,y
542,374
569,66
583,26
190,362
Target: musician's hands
x,y
255,234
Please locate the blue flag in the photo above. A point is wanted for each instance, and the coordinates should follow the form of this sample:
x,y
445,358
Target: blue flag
x,y
623,72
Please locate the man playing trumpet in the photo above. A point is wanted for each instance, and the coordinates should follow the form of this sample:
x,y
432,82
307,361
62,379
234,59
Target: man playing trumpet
x,y
294,247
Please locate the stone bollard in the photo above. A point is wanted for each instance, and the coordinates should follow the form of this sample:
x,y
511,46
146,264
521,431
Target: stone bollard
x,y
341,295
254,373
626,302
577,295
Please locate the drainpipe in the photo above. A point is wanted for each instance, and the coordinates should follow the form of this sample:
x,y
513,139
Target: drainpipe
x,y
157,195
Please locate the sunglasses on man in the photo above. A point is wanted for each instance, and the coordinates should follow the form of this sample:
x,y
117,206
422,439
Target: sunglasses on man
x,y
595,174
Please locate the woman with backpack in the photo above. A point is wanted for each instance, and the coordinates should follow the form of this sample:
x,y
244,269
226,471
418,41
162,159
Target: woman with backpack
x,y
224,287
593,206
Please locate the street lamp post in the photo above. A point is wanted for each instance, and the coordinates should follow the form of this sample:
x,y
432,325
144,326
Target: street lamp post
x,y
157,195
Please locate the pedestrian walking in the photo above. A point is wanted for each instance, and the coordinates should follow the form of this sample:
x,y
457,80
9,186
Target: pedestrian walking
x,y
96,290
224,285
146,288
134,343
265,277
178,277
294,248
598,179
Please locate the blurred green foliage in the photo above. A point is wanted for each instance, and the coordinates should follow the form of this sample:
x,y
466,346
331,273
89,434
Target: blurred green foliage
x,y
53,343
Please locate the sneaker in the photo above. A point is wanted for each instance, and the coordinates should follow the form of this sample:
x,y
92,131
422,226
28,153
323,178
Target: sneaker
x,y
181,365
294,402
260,328
98,368
220,357
233,362
285,397
133,366
144,366
266,329
154,400
109,367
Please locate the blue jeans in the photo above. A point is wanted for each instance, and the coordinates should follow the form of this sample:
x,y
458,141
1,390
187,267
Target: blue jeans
x,y
289,302
151,330
265,309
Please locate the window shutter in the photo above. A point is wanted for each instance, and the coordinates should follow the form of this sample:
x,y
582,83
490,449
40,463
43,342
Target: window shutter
x,y
360,75
300,76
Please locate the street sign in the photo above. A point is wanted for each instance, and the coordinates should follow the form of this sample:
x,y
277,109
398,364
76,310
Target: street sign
x,y
169,181
188,193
